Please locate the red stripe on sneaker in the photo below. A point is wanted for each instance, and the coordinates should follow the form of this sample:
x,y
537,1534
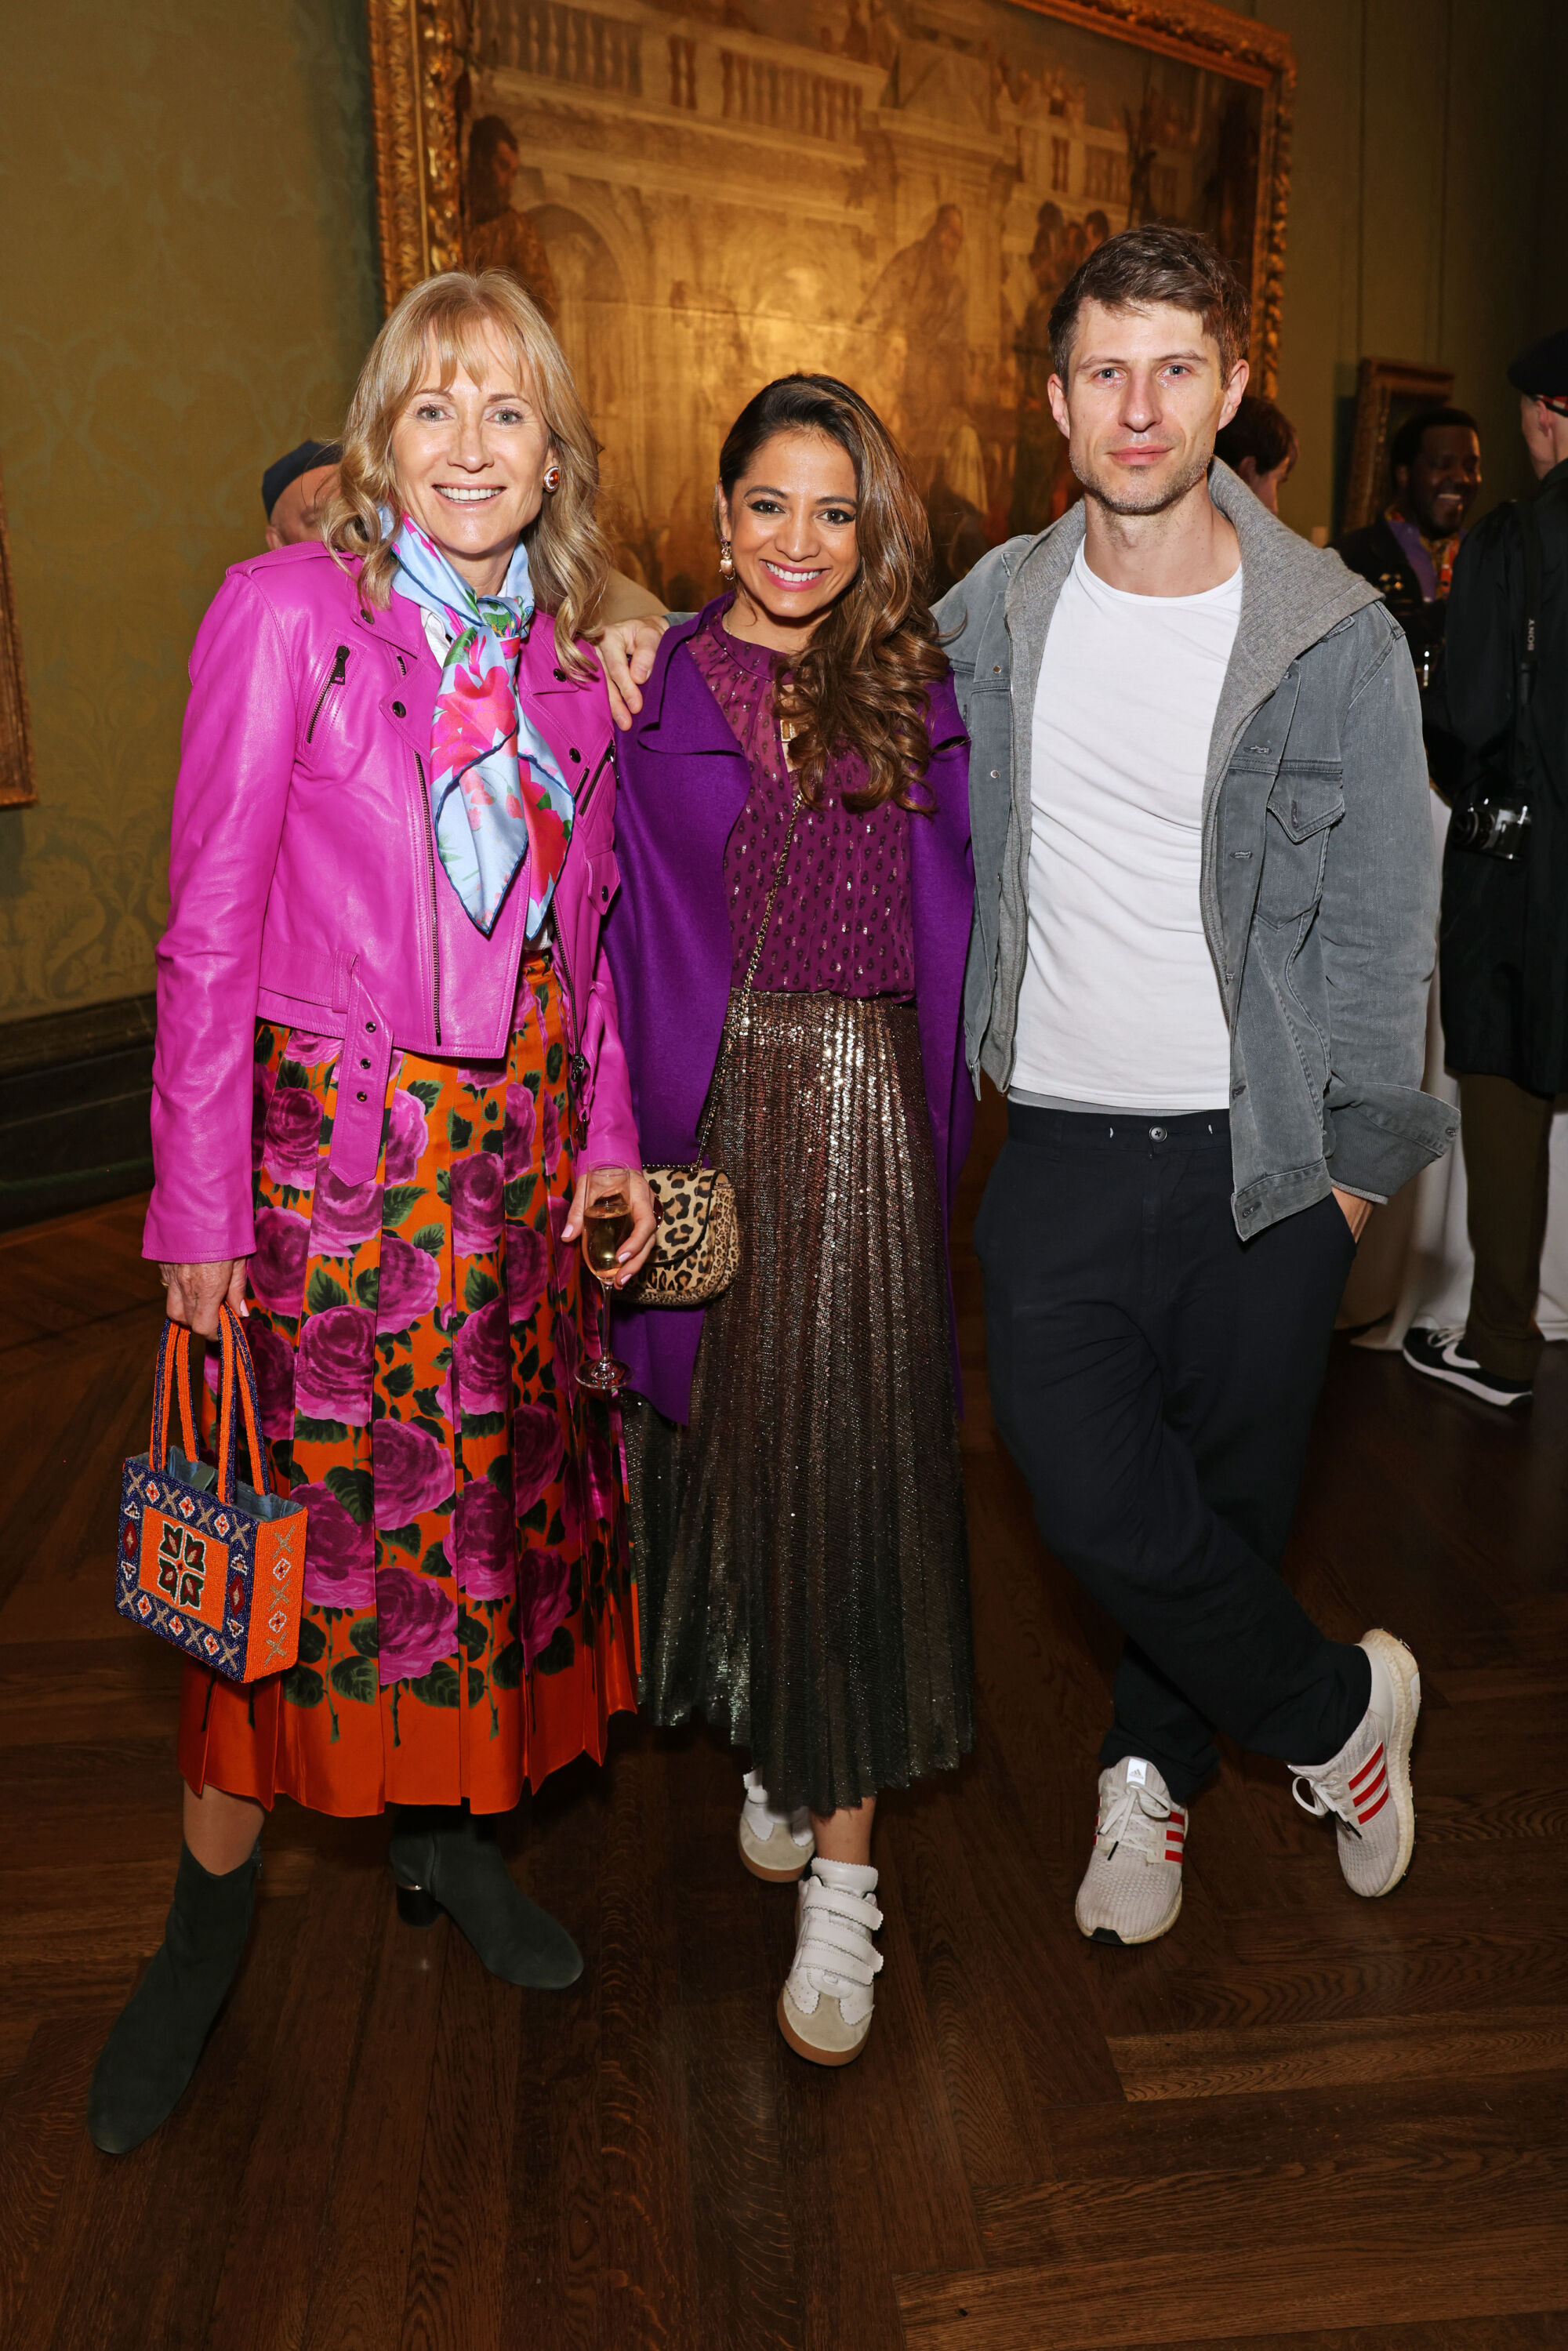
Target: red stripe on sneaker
x,y
1370,1765
1367,1803
1372,1810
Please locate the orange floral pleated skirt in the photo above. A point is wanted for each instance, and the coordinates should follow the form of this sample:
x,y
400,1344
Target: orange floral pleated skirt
x,y
470,1617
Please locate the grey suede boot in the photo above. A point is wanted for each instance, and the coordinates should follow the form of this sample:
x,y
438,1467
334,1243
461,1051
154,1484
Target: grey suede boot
x,y
443,1859
156,2041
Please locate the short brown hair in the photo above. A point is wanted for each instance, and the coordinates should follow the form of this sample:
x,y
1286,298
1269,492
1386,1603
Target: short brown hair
x,y
1157,263
1259,430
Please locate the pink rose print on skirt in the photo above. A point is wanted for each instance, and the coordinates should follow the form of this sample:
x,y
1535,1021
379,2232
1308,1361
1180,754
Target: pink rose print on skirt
x,y
483,1352
261,1093
549,1133
277,1267
485,1538
339,1555
477,1186
311,1050
416,1623
517,1132
593,1482
527,1260
544,1599
538,1449
408,1139
344,1215
291,1137
410,1471
563,1250
410,1280
568,1347
332,1365
274,1360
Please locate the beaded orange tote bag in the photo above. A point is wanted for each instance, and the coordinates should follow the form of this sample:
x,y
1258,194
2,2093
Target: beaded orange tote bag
x,y
213,1565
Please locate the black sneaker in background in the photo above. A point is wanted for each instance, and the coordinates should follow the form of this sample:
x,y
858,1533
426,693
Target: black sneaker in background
x,y
1440,1355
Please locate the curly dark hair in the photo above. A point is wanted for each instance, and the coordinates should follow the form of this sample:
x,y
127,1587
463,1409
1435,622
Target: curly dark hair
x,y
862,682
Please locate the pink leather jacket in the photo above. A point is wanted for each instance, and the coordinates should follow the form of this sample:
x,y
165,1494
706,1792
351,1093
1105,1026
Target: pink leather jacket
x,y
304,886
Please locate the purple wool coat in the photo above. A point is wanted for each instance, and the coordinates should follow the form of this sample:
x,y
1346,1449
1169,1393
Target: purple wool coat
x,y
683,782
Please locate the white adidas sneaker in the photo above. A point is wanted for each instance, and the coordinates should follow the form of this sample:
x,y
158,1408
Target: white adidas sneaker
x,y
1366,1786
1131,1889
775,1843
825,2007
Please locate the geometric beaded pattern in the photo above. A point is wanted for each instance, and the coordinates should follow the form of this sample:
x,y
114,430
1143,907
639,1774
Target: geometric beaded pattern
x,y
220,1585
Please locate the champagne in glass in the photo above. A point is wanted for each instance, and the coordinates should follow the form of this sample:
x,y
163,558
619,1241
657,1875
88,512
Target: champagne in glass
x,y
606,1229
606,1226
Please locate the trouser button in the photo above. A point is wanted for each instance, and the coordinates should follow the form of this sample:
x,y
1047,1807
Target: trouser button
x,y
1156,1133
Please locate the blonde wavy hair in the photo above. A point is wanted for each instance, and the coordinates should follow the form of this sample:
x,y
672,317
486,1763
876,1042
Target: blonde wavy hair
x,y
455,314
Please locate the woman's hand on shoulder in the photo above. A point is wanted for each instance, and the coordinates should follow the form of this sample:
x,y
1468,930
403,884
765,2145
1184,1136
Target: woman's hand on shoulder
x,y
626,650
193,1294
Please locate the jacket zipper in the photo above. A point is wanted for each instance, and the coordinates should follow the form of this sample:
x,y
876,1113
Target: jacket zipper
x,y
434,917
339,672
580,804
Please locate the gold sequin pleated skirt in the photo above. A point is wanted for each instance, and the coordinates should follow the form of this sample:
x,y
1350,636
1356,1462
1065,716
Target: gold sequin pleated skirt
x,y
804,1557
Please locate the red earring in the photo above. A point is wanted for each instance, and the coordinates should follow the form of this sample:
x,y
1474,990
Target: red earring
x,y
552,477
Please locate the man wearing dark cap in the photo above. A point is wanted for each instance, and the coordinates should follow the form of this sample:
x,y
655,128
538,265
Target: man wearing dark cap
x,y
295,490
1504,956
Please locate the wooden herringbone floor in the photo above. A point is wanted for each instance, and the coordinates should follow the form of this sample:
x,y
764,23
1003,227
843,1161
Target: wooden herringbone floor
x,y
1300,2121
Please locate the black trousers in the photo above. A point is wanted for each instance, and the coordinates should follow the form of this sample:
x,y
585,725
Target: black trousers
x,y
1506,1135
1155,1379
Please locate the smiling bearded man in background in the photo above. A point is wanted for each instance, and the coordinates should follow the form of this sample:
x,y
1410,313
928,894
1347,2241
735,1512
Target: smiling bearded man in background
x,y
1204,930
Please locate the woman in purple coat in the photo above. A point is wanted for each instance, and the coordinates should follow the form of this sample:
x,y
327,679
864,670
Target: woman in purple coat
x,y
796,1469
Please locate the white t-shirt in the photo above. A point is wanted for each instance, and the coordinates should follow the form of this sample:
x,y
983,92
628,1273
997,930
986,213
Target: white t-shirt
x,y
1120,1005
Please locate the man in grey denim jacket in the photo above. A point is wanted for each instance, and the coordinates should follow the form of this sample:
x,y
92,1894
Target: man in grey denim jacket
x,y
1162,1274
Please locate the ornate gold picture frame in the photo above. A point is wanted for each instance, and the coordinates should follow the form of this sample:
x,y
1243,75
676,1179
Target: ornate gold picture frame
x,y
1386,392
705,195
18,788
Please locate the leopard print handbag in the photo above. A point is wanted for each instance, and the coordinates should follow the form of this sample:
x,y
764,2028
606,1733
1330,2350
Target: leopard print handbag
x,y
698,1250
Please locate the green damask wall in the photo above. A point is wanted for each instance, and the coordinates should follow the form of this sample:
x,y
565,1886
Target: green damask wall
x,y
187,285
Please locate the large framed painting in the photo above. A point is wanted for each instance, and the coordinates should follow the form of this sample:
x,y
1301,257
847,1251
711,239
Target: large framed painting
x,y
706,195
17,789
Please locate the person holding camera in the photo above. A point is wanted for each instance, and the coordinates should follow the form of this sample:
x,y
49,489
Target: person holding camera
x,y
1504,948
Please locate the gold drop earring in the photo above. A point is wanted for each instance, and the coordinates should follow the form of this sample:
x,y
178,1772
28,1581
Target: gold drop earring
x,y
725,559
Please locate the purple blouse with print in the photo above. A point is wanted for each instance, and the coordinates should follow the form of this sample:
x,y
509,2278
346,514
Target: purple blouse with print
x,y
841,923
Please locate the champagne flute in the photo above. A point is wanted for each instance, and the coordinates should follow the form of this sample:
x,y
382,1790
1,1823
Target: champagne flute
x,y
606,1227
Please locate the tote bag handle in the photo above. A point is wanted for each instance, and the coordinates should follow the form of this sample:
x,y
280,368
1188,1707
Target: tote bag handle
x,y
237,1382
171,1379
236,1388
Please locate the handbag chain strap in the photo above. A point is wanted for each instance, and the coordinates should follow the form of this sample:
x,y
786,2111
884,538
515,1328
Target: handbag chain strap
x,y
738,998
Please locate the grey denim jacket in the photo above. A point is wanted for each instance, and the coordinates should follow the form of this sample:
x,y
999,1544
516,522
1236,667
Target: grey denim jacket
x,y
1320,874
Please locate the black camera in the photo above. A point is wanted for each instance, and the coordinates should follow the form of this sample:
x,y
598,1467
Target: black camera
x,y
1491,828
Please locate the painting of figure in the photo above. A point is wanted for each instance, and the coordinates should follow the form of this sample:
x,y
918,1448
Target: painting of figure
x,y
702,194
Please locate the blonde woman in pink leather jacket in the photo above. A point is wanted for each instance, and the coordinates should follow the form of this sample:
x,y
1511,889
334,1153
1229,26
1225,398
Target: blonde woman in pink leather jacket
x,y
388,1056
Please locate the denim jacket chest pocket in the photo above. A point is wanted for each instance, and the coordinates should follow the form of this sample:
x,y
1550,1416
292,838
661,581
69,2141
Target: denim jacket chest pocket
x,y
1306,802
